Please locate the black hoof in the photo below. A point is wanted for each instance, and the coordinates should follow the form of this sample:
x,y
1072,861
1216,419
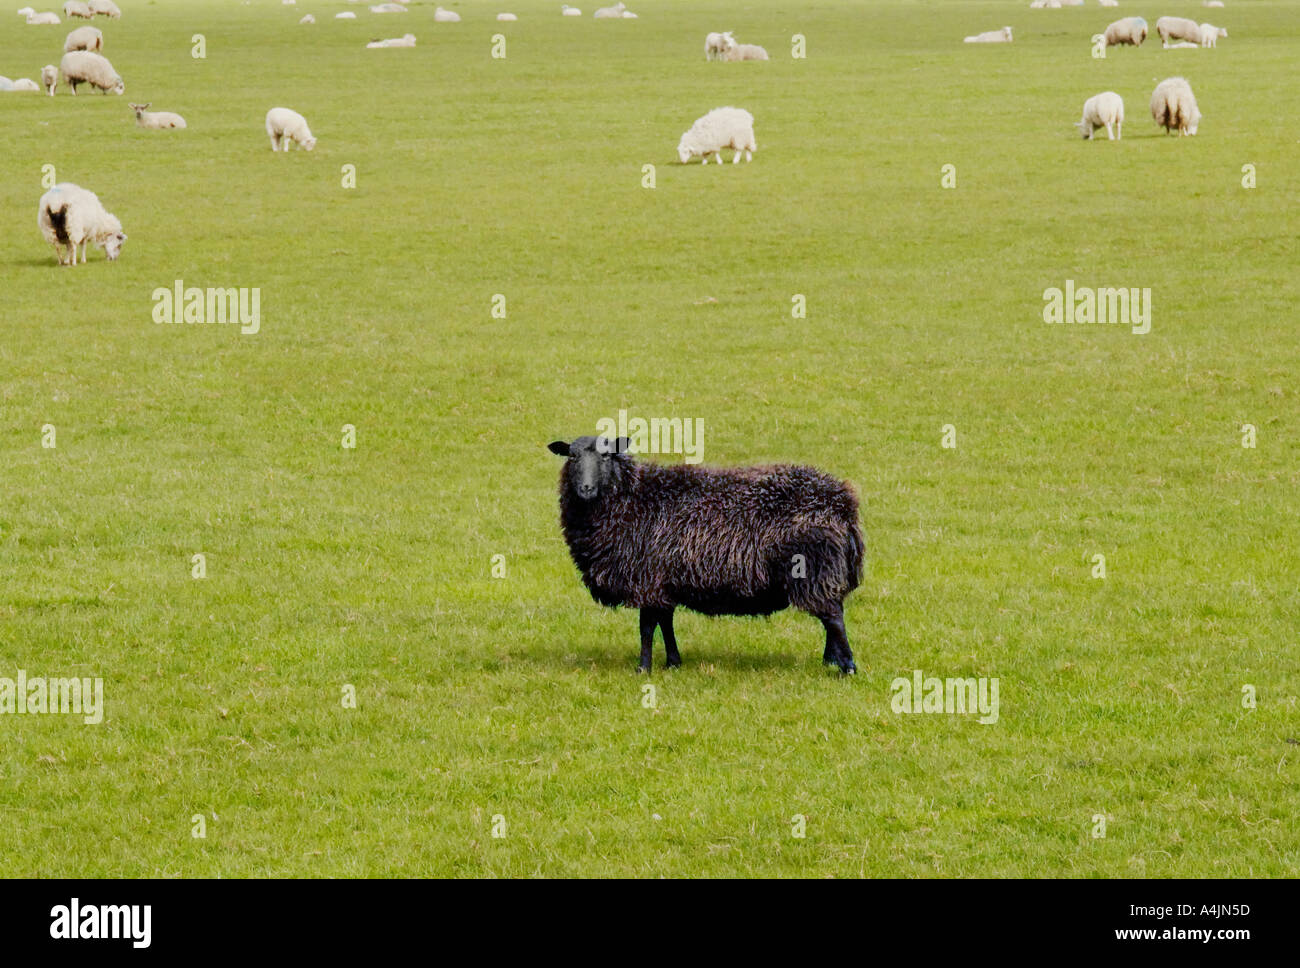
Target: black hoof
x,y
849,670
674,663
643,670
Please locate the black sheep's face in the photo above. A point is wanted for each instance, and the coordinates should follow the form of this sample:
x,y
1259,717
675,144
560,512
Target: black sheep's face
x,y
594,464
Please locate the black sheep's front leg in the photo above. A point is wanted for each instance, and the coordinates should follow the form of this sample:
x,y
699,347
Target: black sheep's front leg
x,y
649,619
670,640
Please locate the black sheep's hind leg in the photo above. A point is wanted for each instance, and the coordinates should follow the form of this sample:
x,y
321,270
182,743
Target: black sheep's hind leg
x,y
670,640
649,619
837,642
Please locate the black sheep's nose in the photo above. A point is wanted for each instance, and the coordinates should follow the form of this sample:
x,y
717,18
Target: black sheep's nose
x,y
586,491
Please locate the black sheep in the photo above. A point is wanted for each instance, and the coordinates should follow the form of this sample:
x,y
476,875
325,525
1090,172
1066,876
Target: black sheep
x,y
722,541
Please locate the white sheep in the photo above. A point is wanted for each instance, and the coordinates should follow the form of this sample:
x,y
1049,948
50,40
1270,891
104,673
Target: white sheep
x,y
1210,35
507,17
743,52
1108,3
345,15
1071,3
70,216
105,8
24,84
720,128
85,38
156,120
1104,110
6,84
77,8
284,125
1002,36
567,11
611,13
42,19
26,11
1173,105
388,8
714,45
406,40
49,78
446,16
1178,28
308,19
1130,30
1214,3
86,67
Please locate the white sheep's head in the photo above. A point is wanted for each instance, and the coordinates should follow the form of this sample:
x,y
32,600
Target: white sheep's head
x,y
308,144
683,153
1085,127
113,245
118,87
1195,121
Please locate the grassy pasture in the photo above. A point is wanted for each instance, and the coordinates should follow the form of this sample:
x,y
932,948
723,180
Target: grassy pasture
x,y
522,176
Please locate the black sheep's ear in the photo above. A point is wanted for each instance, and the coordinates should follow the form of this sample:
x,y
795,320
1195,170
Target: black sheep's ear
x,y
558,447
623,446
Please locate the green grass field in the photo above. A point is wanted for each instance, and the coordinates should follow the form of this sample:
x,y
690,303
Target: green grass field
x,y
516,697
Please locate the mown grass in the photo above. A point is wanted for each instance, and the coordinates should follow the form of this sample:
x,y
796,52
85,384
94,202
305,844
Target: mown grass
x,y
480,696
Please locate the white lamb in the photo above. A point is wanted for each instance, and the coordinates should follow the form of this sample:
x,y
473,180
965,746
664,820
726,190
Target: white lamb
x,y
69,216
507,17
406,40
77,8
567,11
1210,35
1130,30
24,84
1173,105
744,52
49,78
309,19
714,45
284,125
720,128
85,38
156,120
42,19
446,16
1105,110
105,8
1002,36
86,67
1178,28
611,13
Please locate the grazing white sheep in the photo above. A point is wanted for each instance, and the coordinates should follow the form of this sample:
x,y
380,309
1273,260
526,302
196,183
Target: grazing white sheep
x,y
1210,35
284,125
24,84
156,120
49,78
567,11
86,67
507,17
1178,28
446,16
309,19
1130,30
42,19
406,40
105,8
720,128
611,13
1002,36
745,52
85,38
1173,105
77,8
1104,110
69,216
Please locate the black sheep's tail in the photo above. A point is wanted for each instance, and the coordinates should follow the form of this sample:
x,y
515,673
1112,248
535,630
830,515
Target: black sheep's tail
x,y
854,553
